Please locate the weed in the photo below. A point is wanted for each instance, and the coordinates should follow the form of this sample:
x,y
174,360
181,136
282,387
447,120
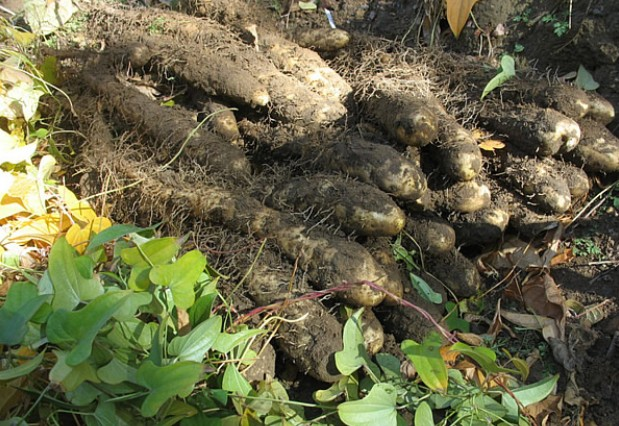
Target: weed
x,y
524,17
586,247
157,26
560,23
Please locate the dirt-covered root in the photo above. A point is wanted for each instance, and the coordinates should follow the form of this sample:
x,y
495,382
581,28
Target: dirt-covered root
x,y
431,233
373,333
530,223
536,131
459,155
369,162
322,39
455,271
568,100
209,56
168,128
222,121
216,75
598,151
310,335
405,117
577,180
459,197
541,183
305,65
355,207
482,227
312,339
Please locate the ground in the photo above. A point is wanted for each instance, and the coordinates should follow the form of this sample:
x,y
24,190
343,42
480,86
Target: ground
x,y
548,38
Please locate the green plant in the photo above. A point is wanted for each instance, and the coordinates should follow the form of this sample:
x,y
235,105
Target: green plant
x,y
560,25
524,17
106,331
506,72
156,26
586,247
376,392
401,254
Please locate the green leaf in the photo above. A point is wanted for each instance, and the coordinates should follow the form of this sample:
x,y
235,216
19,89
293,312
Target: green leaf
x,y
428,361
138,278
70,286
377,408
389,364
49,69
423,415
424,289
201,309
23,369
453,321
133,333
332,393
22,303
181,276
529,394
194,345
166,382
508,71
112,233
106,414
226,342
70,377
233,381
116,372
154,252
78,329
485,357
83,395
354,355
584,79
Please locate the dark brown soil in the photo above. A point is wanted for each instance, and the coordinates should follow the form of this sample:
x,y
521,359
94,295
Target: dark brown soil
x,y
294,127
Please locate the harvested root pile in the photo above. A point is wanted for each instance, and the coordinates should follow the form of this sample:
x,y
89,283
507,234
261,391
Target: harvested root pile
x,y
327,165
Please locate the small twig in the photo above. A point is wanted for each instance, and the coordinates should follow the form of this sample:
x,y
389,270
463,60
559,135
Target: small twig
x,y
586,208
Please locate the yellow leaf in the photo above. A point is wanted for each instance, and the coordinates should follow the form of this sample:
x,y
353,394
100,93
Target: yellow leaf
x,y
79,235
79,210
43,229
10,207
491,145
458,13
6,181
27,189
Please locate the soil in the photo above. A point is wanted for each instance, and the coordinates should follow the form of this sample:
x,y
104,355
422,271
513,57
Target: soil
x,y
219,191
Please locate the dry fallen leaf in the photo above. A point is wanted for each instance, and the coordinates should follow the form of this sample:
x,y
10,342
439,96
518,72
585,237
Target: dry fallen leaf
x,y
491,145
541,294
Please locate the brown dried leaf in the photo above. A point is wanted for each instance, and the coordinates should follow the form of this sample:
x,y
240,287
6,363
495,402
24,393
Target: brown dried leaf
x,y
184,325
533,322
542,410
470,338
542,295
457,12
566,256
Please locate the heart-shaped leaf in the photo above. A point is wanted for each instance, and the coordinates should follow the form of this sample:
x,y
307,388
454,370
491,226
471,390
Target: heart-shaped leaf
x,y
181,277
377,408
166,382
70,286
